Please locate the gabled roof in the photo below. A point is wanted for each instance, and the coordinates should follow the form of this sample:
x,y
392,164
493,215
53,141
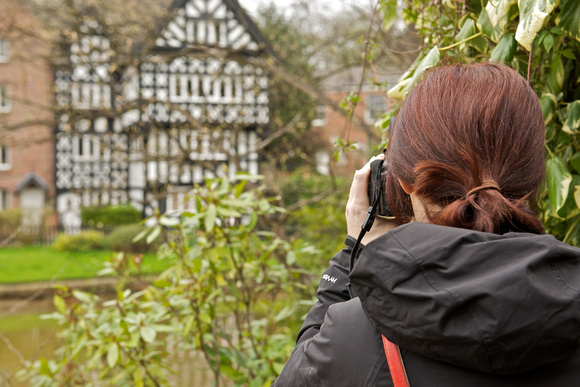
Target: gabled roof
x,y
186,27
32,180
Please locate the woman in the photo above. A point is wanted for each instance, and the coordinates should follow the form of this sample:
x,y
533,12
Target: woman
x,y
469,287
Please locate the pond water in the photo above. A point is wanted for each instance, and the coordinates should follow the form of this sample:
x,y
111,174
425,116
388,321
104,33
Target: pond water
x,y
24,336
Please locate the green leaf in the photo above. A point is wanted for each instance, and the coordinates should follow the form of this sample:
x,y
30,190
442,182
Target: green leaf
x,y
45,368
569,18
570,208
138,377
558,179
140,236
568,53
556,76
389,11
428,61
59,303
505,49
240,188
548,102
230,372
154,234
290,257
227,212
497,11
210,216
81,296
572,122
577,195
112,355
188,325
467,30
575,162
253,220
168,221
532,16
548,42
397,91
485,25
148,334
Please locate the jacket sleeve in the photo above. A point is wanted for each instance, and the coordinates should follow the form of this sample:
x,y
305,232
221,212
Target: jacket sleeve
x,y
347,351
332,289
337,345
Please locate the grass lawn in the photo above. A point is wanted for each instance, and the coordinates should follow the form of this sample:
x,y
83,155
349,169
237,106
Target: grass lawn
x,y
43,263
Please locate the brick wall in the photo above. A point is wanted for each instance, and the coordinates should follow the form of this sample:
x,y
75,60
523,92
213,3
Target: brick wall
x,y
338,126
27,129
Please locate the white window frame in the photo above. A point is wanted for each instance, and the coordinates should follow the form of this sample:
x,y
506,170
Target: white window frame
x,y
5,100
4,50
5,158
86,147
371,106
5,201
320,116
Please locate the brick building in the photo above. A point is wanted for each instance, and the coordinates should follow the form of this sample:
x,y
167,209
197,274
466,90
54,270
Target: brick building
x,y
26,119
331,125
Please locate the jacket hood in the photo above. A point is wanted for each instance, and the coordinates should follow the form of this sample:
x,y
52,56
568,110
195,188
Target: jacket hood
x,y
501,304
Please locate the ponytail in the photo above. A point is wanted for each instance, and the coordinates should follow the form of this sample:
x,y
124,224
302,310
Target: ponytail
x,y
482,208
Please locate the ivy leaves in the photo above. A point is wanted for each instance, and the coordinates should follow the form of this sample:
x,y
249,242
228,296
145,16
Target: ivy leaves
x,y
533,14
544,33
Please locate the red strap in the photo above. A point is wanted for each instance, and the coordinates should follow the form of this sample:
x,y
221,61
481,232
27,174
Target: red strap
x,y
396,366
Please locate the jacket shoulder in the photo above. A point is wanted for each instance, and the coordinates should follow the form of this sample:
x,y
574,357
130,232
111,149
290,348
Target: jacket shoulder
x,y
347,351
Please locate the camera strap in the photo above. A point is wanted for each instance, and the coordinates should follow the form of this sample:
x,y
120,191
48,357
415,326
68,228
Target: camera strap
x,y
396,366
368,223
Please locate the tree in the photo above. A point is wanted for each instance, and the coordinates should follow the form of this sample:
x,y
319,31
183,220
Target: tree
x,y
541,39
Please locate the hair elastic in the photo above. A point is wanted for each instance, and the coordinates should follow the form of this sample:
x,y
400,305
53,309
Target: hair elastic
x,y
484,186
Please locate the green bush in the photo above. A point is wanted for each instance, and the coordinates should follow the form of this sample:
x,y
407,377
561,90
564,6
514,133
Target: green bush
x,y
121,239
85,241
322,223
100,217
10,220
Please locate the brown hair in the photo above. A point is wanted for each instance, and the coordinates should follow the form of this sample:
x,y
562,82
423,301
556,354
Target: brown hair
x,y
470,140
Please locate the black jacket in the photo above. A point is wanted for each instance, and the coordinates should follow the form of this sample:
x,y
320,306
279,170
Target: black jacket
x,y
466,308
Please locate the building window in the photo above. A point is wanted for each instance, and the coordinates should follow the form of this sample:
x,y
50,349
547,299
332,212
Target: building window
x,y
5,162
375,108
86,147
5,103
4,50
4,199
320,116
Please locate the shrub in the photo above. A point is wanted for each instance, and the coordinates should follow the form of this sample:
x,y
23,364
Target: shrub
x,y
100,217
10,220
85,241
121,239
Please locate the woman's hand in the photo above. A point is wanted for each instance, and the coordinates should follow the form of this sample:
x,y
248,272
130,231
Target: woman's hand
x,y
358,205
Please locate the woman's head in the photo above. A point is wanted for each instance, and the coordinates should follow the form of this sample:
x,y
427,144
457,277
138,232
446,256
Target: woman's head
x,y
470,141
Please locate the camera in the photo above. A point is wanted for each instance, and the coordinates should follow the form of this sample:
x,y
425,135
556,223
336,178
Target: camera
x,y
377,186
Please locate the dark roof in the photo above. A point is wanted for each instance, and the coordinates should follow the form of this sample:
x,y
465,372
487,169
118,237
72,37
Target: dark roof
x,y
32,180
241,16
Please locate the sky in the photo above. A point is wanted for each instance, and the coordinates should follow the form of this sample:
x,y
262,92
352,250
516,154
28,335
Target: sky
x,y
251,6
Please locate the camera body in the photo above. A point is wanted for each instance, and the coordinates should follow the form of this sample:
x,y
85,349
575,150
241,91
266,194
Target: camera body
x,y
377,187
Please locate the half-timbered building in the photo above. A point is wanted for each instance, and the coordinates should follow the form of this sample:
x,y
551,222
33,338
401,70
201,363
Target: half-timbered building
x,y
191,106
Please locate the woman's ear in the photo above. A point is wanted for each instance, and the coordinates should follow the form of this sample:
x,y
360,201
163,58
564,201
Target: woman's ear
x,y
408,188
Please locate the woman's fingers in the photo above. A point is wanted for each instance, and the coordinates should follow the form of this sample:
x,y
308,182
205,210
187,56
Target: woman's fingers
x,y
358,199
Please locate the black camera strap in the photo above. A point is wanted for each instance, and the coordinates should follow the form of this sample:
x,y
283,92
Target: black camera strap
x,y
368,223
